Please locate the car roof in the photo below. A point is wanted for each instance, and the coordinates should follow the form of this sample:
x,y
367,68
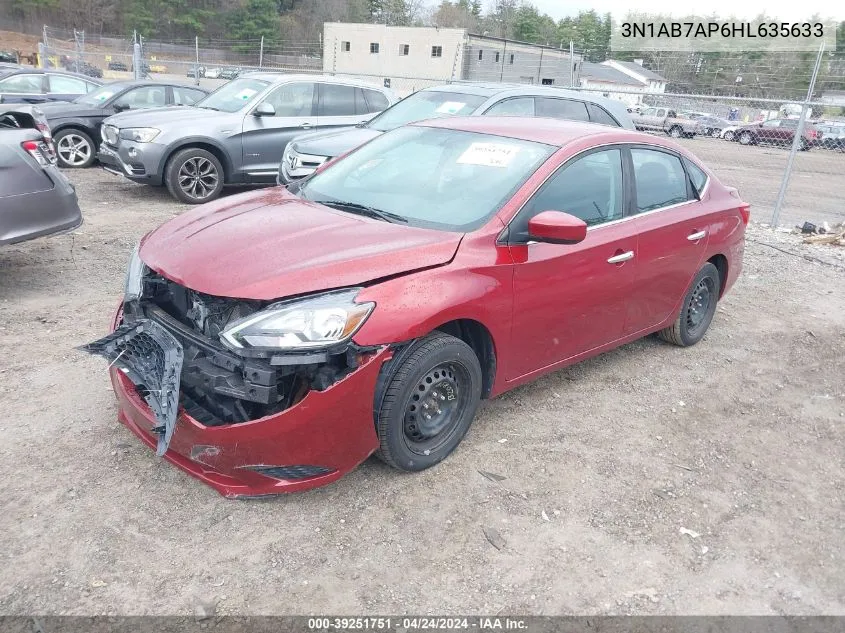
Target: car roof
x,y
282,77
51,71
557,132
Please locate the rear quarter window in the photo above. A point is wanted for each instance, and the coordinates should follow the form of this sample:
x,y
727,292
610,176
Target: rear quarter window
x,y
696,176
600,115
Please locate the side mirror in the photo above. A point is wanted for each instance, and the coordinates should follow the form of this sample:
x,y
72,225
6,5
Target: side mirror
x,y
557,227
264,109
120,107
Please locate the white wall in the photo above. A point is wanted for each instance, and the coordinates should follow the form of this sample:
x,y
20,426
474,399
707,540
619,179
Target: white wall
x,y
606,87
388,62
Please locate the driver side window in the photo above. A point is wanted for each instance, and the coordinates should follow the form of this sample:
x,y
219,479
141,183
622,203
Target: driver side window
x,y
145,97
590,188
293,99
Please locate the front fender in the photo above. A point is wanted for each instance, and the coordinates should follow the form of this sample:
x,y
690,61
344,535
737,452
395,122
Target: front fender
x,y
91,129
191,141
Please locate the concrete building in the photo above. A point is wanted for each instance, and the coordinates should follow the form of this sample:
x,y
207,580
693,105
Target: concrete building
x,y
410,58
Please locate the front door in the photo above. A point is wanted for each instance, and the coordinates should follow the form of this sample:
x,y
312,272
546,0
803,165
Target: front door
x,y
570,299
673,234
265,137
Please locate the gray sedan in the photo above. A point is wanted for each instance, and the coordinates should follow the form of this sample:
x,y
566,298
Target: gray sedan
x,y
35,197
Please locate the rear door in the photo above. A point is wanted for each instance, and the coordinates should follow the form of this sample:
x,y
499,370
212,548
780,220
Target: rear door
x,y
673,232
24,88
265,137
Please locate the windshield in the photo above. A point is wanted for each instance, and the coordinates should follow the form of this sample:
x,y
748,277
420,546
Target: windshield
x,y
234,95
100,95
430,177
425,105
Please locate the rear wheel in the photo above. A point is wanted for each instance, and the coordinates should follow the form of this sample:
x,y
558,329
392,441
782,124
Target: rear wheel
x,y
697,309
429,402
729,135
746,138
194,175
676,131
74,148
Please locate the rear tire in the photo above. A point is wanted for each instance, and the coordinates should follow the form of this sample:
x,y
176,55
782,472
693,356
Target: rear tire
x,y
746,138
676,131
729,135
429,402
194,176
697,309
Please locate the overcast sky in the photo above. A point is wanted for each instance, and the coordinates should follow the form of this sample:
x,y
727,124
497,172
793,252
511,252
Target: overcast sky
x,y
794,11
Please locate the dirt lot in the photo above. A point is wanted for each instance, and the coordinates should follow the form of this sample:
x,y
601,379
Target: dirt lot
x,y
740,440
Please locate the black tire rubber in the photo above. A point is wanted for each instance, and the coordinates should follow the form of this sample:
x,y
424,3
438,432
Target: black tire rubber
x,y
729,136
676,131
412,365
805,145
171,172
679,332
749,138
86,137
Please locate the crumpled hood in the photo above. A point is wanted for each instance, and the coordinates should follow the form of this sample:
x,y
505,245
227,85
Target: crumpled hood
x,y
270,244
155,117
335,142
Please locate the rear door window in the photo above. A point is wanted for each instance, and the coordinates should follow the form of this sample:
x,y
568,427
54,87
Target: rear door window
x,y
335,100
61,84
660,177
600,115
519,106
561,109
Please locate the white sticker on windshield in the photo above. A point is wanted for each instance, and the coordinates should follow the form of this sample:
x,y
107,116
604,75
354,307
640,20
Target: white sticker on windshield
x,y
450,107
245,94
488,155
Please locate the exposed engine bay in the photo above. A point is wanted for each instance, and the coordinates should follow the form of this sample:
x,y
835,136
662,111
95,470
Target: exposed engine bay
x,y
218,386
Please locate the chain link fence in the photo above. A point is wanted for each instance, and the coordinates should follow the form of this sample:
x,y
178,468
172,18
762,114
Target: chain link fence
x,y
770,124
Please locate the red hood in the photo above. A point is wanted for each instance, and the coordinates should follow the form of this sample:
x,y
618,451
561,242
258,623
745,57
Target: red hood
x,y
270,244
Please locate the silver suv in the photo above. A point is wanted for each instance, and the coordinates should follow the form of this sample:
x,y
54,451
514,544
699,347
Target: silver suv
x,y
236,135
307,152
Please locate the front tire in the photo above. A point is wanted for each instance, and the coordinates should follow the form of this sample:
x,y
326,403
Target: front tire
x,y
697,309
746,139
729,135
74,149
194,176
430,399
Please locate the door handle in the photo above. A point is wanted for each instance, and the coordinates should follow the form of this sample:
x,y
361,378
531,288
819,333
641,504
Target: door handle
x,y
306,126
694,237
622,257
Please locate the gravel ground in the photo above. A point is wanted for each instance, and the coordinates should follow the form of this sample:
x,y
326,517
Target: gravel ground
x,y
650,480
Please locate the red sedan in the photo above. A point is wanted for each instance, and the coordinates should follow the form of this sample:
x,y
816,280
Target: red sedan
x,y
271,341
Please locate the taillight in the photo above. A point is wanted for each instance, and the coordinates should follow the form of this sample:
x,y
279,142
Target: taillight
x,y
745,212
39,151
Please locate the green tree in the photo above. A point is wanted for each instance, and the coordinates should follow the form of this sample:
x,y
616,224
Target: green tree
x,y
257,19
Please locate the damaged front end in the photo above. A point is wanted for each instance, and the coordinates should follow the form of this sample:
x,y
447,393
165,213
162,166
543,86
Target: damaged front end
x,y
227,361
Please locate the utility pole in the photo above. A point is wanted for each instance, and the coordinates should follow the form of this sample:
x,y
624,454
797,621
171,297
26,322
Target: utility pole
x,y
261,53
197,64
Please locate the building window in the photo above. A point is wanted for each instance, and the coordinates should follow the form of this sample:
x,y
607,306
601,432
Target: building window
x,y
511,61
480,55
344,46
404,49
437,51
497,56
374,47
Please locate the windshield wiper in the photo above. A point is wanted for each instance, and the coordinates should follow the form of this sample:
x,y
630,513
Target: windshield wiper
x,y
205,107
361,209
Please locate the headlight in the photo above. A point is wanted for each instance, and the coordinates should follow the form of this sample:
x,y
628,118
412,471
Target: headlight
x,y
299,324
139,134
134,277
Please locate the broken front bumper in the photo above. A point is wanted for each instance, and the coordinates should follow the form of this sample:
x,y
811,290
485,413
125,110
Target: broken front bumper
x,y
313,442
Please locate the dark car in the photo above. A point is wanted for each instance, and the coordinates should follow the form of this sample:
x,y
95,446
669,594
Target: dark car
x,y
36,199
33,85
76,125
272,341
230,72
119,66
780,132
8,57
308,151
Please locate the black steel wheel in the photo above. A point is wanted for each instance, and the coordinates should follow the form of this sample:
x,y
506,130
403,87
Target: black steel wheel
x,y
426,402
697,309
194,175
